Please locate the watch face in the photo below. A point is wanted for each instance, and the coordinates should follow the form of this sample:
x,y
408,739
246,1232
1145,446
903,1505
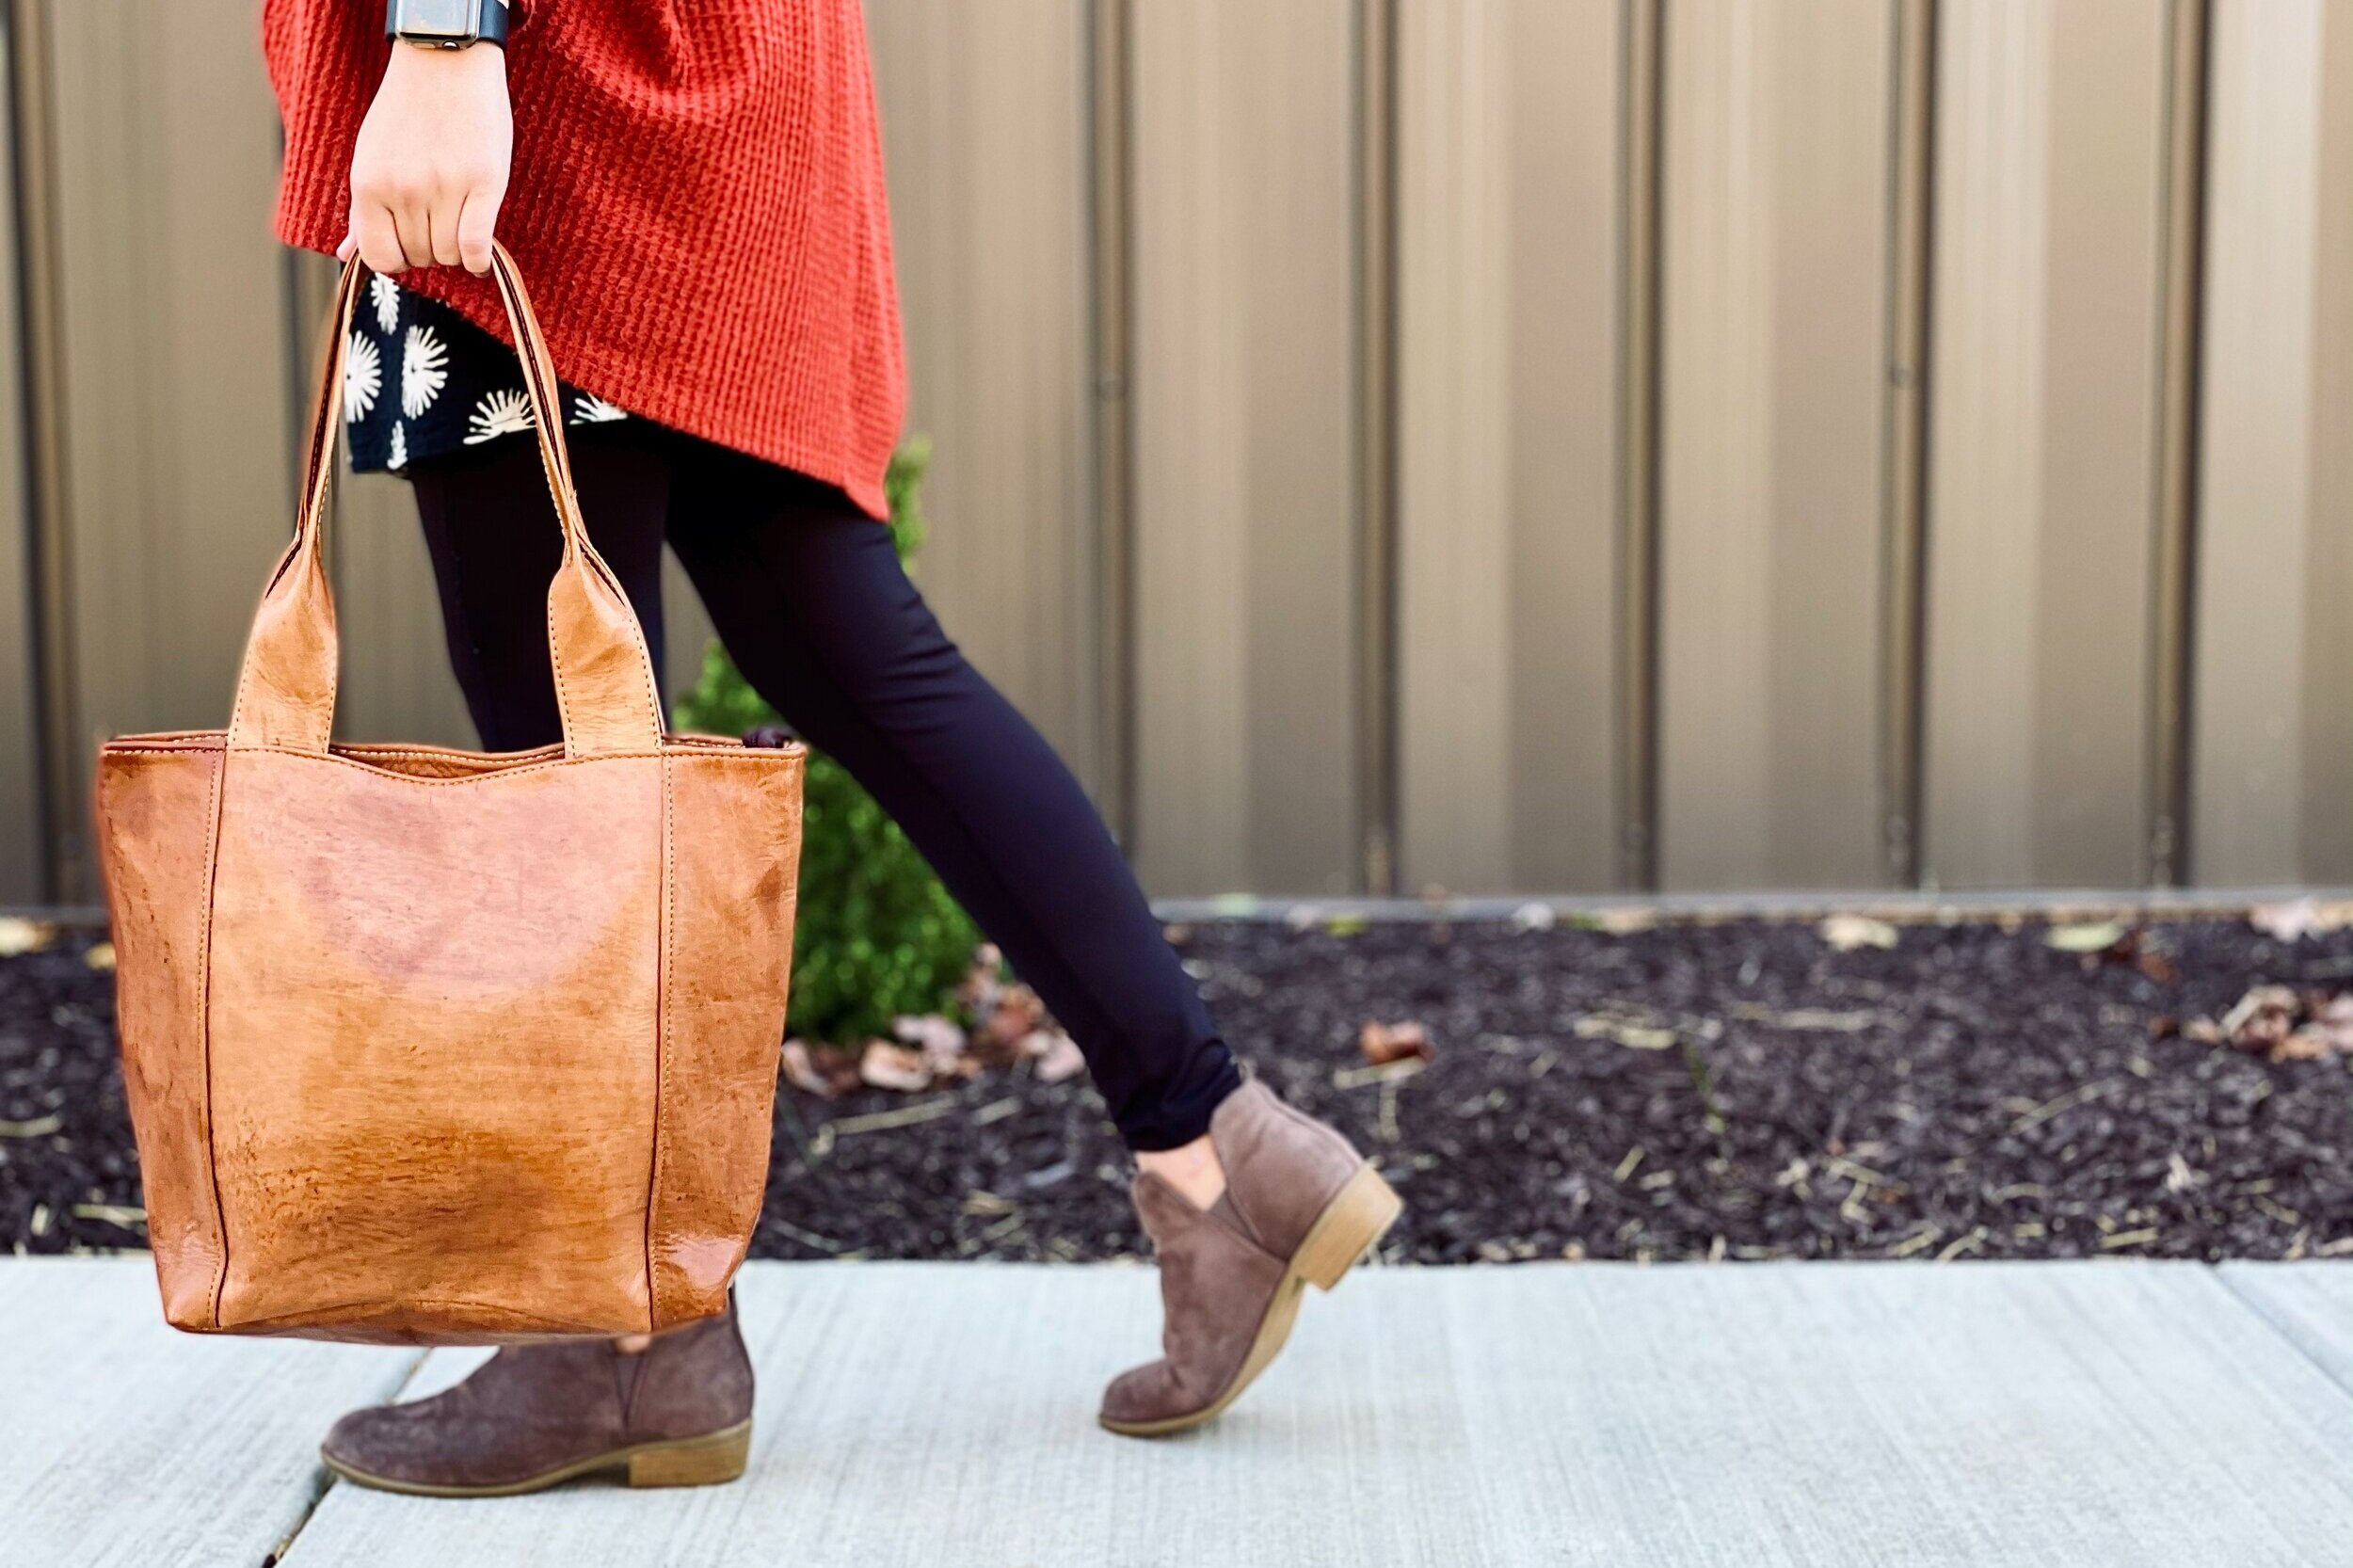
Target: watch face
x,y
436,17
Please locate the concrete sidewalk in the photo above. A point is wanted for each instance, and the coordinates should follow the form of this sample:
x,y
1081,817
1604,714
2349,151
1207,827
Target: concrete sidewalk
x,y
1816,1416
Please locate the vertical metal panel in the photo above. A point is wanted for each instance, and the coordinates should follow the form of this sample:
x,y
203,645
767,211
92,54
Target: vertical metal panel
x,y
2189,26
23,877
1111,222
1377,27
687,627
33,123
1771,550
1246,500
985,117
170,318
2272,782
1642,64
1911,205
1508,426
2045,391
396,683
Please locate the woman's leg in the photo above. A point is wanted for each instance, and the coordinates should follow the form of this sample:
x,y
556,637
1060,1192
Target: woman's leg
x,y
1247,1201
490,529
808,594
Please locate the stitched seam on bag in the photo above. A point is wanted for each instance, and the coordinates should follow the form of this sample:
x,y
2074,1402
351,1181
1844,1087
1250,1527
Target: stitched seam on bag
x,y
753,759
214,808
564,1325
765,757
540,372
555,661
662,976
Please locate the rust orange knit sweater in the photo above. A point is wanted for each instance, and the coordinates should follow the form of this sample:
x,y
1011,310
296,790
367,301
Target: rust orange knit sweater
x,y
697,202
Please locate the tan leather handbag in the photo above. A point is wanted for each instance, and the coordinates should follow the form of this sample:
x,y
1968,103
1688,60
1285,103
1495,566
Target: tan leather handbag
x,y
427,1046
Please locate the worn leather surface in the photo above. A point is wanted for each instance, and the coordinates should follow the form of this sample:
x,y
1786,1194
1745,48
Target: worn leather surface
x,y
435,1046
733,880
412,1164
532,1409
155,809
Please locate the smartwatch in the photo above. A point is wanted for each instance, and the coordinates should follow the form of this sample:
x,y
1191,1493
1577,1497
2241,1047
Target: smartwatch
x,y
446,23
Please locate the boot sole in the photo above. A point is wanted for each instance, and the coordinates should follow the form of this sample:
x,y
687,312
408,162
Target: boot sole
x,y
1350,1226
706,1460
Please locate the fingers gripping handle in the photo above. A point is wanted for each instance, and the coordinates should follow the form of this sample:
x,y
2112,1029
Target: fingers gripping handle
x,y
605,686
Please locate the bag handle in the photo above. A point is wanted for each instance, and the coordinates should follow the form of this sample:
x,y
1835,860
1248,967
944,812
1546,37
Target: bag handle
x,y
604,687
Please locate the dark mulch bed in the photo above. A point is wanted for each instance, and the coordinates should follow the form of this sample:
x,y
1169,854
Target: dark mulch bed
x,y
1730,1090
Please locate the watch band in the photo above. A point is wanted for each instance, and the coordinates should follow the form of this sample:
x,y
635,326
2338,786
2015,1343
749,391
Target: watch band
x,y
447,24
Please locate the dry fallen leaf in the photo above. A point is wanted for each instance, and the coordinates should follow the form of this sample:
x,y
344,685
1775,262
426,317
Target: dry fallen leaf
x,y
800,1072
1013,1017
977,991
17,934
1058,1055
2303,1044
1845,933
2279,1023
2096,937
2298,918
941,1042
101,956
1624,919
1385,1043
885,1064
2261,1018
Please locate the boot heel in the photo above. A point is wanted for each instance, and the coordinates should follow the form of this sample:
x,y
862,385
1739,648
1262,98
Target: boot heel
x,y
694,1460
1347,1228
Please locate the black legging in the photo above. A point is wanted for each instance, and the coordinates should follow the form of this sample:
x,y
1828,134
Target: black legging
x,y
807,595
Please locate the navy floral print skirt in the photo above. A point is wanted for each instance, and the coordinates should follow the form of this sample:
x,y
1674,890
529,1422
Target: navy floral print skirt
x,y
421,380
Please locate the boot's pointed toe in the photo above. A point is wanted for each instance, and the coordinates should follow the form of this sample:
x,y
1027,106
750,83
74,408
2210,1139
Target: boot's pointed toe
x,y
1140,1393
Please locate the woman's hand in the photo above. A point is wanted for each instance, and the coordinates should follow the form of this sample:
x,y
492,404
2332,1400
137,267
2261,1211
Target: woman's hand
x,y
429,169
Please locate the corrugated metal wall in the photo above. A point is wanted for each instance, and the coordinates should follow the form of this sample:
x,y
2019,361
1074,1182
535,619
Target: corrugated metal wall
x,y
1490,444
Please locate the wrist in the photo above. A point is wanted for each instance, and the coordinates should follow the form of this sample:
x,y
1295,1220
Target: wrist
x,y
417,62
450,25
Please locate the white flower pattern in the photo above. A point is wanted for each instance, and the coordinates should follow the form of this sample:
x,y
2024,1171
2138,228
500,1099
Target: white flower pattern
x,y
363,376
385,295
423,370
419,380
505,412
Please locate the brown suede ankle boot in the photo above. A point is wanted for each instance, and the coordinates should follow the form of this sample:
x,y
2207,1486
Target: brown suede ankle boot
x,y
1301,1207
676,1414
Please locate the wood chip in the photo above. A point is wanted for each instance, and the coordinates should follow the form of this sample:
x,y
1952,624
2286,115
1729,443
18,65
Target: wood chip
x,y
1847,933
922,1111
1381,1044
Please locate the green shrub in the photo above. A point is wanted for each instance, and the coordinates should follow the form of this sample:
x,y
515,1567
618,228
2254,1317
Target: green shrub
x,y
877,934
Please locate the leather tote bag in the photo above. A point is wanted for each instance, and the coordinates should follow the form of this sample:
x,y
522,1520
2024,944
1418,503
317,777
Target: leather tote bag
x,y
427,1046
